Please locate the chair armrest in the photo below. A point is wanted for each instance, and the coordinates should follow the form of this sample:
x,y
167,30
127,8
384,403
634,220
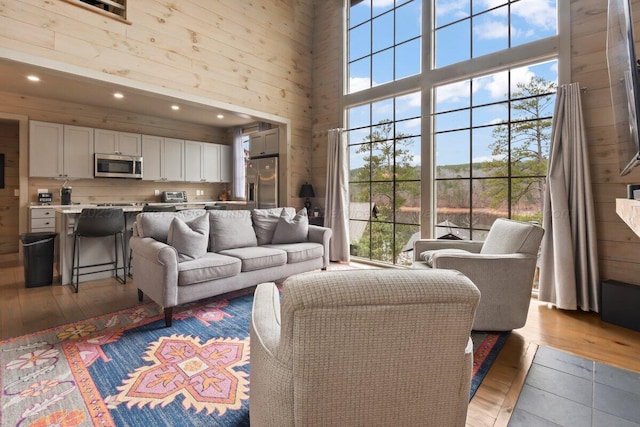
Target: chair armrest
x,y
265,318
422,245
322,235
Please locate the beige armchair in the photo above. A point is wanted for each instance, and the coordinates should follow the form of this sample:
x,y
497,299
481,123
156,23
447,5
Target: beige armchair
x,y
363,347
502,267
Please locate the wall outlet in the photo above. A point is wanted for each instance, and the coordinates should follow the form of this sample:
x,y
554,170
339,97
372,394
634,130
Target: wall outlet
x,y
156,192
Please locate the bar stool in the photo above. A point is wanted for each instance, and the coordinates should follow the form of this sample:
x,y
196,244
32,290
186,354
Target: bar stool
x,y
151,208
98,223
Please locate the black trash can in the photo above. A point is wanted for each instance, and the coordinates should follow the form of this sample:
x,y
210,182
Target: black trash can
x,y
38,258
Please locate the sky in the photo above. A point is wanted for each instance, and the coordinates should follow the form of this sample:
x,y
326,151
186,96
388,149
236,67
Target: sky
x,y
489,29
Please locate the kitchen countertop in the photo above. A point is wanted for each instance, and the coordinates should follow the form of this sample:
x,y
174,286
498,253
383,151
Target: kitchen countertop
x,y
134,207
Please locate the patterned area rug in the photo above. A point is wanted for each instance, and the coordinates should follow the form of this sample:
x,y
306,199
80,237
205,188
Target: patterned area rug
x,y
126,369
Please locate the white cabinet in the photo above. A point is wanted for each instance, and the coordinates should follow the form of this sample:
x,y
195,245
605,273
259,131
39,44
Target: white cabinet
x,y
151,157
163,158
60,151
264,143
226,163
193,161
202,161
211,162
42,219
46,144
114,142
172,166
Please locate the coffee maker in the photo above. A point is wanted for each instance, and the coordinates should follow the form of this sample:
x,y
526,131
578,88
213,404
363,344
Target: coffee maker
x,y
65,195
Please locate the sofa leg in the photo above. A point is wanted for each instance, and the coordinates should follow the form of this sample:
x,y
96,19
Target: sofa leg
x,y
168,316
324,269
140,295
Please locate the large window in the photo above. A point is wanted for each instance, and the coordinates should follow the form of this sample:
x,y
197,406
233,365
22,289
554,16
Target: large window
x,y
486,72
491,140
384,181
470,28
384,42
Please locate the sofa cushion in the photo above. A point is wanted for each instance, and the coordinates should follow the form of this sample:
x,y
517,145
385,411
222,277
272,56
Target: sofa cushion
x,y
299,252
156,224
257,258
265,221
427,256
291,229
190,238
230,230
210,266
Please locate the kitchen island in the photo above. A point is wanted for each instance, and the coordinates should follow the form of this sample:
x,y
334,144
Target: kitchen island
x,y
101,250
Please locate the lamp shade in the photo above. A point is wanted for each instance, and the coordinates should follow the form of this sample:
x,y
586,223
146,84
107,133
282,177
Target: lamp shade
x,y
306,190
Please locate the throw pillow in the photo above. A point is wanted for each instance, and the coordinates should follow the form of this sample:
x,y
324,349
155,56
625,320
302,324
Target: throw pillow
x,y
231,229
265,221
291,230
190,239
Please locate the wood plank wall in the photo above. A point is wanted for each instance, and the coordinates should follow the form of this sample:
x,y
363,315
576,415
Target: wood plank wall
x,y
255,55
618,246
10,147
327,87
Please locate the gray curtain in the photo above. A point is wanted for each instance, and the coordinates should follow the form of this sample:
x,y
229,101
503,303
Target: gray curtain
x,y
569,276
336,216
238,164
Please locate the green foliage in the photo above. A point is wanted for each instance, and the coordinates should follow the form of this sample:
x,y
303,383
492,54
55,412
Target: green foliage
x,y
523,147
387,159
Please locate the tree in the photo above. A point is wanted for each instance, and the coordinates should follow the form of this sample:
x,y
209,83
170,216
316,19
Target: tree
x,y
387,158
522,146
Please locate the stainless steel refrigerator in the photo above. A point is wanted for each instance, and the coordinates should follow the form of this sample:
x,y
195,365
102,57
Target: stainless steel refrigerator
x,y
262,183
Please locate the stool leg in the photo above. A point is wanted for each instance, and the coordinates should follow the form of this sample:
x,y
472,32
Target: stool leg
x,y
74,266
129,273
124,260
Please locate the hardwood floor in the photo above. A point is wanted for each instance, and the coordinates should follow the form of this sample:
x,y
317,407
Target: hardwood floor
x,y
25,310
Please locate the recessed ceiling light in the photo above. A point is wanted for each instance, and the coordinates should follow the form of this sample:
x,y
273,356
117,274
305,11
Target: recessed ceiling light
x,y
220,116
33,78
118,95
175,107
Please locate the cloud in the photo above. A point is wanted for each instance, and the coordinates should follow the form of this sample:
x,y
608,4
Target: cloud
x,y
481,159
539,13
492,30
498,84
453,92
458,8
356,84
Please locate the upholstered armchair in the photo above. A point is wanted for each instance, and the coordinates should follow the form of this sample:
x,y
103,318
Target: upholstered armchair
x,y
363,347
502,267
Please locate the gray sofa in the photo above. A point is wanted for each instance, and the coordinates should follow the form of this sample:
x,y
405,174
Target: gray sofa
x,y
194,254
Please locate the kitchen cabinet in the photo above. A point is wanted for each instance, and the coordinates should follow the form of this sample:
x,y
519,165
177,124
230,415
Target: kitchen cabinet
x,y
42,219
163,159
226,163
265,143
114,142
211,162
202,161
60,151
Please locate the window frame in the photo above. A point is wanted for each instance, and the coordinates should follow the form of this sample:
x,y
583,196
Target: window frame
x,y
555,47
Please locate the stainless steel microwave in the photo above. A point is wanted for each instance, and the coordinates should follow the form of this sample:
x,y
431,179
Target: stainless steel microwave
x,y
117,166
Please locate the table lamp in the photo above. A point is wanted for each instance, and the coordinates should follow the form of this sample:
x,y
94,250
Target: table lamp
x,y
307,191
